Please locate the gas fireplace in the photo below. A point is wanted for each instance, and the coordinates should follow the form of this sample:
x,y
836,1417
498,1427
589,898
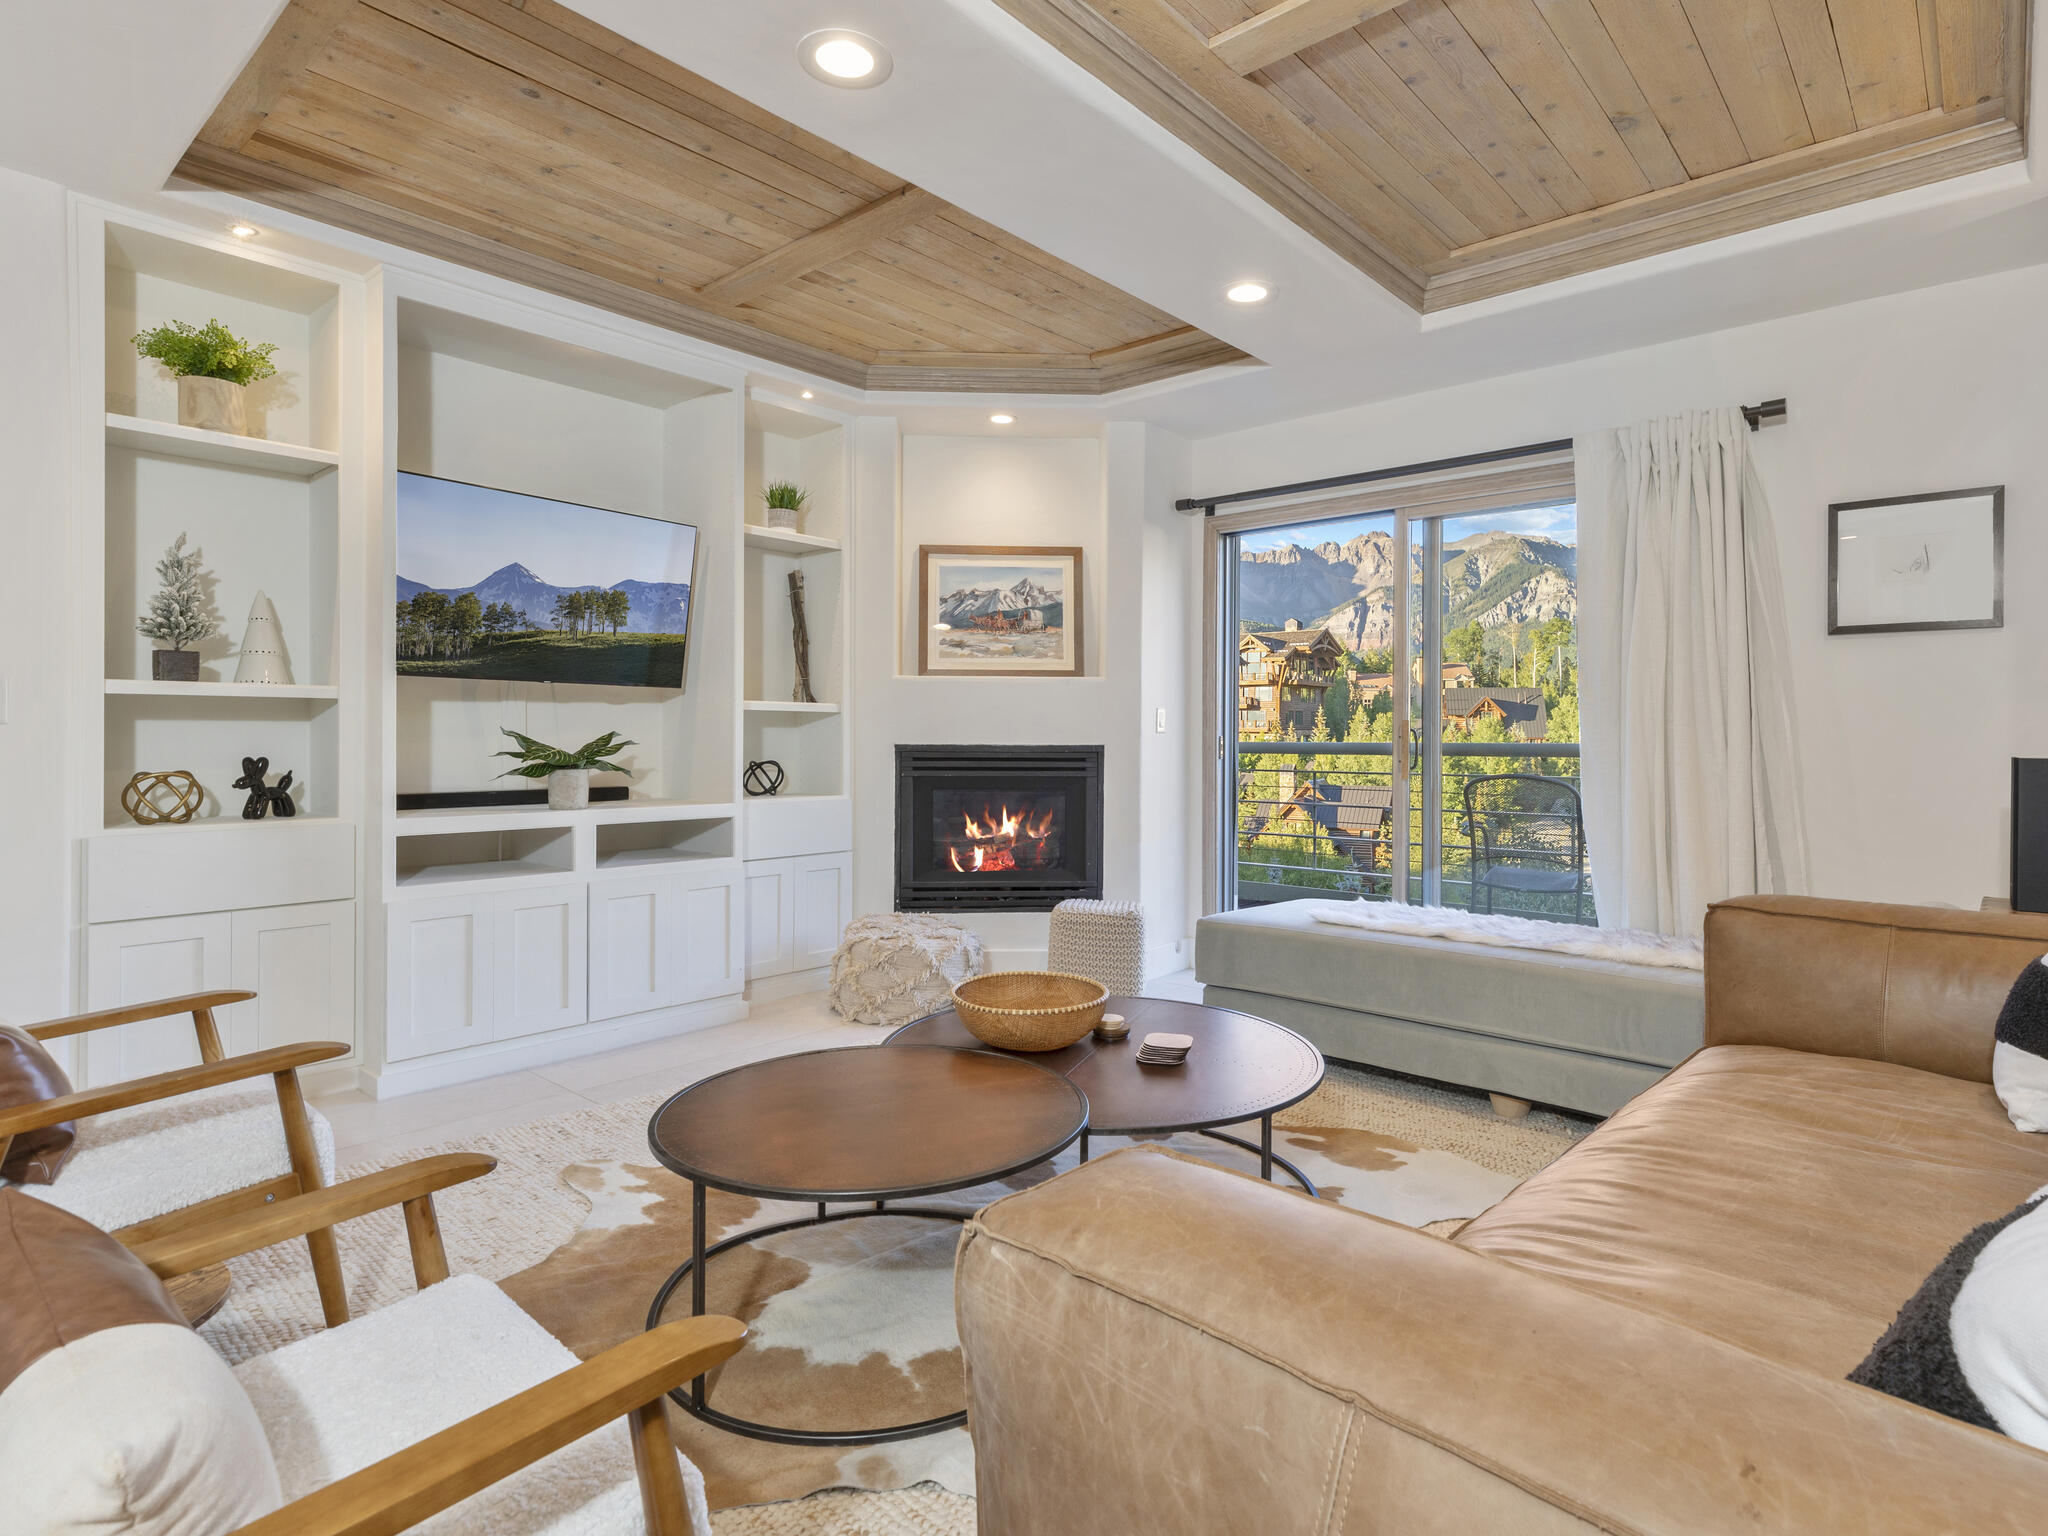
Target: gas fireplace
x,y
988,829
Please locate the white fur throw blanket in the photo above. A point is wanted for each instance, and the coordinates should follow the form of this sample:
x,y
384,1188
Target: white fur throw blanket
x,y
1628,946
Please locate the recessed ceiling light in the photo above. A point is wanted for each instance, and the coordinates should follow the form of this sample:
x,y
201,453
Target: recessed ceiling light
x,y
1002,419
850,59
807,394
244,231
1247,292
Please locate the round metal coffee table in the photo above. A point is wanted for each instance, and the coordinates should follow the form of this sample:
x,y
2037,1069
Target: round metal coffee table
x,y
1240,1068
866,1124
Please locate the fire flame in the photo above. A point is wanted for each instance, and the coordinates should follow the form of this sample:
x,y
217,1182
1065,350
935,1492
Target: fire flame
x,y
995,836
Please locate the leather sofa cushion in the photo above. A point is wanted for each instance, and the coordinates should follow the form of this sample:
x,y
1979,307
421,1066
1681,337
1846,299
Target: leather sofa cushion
x,y
61,1279
1786,1202
30,1075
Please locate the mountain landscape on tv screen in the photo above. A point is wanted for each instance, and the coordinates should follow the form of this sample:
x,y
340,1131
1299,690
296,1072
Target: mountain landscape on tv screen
x,y
516,627
657,607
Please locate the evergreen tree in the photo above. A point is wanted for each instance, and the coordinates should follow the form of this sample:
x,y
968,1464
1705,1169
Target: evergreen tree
x,y
177,613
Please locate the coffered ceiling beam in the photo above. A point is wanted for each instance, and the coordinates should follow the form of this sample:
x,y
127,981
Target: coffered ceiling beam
x,y
1287,28
867,225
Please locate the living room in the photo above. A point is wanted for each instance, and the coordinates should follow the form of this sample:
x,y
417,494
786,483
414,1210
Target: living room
x,y
1070,686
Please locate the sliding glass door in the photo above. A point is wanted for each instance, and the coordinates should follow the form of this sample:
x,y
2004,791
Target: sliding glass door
x,y
1404,691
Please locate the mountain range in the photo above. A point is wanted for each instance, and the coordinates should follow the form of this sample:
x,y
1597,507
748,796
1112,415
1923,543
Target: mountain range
x,y
973,602
658,607
1500,579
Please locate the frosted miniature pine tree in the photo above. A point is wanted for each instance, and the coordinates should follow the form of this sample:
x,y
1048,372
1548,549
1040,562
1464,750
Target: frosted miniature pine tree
x,y
177,614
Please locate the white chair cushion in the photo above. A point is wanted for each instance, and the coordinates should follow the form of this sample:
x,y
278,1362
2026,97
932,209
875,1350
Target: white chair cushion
x,y
335,1402
138,1430
132,1164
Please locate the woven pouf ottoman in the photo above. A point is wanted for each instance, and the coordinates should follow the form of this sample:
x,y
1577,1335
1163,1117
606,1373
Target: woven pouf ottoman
x,y
897,966
1102,940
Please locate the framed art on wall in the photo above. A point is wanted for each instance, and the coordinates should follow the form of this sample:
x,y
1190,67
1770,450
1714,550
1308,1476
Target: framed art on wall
x,y
998,611
1932,561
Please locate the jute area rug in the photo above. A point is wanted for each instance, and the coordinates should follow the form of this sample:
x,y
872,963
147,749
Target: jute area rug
x,y
852,1322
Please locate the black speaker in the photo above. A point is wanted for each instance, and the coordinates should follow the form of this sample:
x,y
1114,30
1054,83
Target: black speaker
x,y
2030,834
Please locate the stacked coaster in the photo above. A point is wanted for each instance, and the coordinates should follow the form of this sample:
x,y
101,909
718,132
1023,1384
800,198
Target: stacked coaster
x,y
1165,1050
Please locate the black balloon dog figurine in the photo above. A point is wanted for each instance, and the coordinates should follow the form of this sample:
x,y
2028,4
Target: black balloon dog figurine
x,y
277,797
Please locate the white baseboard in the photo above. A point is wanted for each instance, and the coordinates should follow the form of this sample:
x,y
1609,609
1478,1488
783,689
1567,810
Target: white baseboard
x,y
398,1078
770,989
1165,956
1015,959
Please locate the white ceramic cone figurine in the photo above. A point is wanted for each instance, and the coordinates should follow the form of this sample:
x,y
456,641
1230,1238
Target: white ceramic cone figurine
x,y
263,659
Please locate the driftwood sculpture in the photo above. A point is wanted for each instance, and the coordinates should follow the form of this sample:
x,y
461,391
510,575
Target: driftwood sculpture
x,y
800,637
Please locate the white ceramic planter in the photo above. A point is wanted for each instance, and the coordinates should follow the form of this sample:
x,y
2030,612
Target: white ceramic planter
x,y
782,517
569,789
218,405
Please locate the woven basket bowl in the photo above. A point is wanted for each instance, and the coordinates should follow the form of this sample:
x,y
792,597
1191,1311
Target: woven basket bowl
x,y
1029,1010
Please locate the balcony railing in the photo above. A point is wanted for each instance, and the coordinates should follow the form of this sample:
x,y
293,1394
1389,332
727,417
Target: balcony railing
x,y
1313,819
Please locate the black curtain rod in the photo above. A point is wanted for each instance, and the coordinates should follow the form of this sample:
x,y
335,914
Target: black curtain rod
x,y
1755,415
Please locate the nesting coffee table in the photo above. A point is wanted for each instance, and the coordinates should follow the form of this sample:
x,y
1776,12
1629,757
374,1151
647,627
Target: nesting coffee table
x,y
863,1124
1240,1068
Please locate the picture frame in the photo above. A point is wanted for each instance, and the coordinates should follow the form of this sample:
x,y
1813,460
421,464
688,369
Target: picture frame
x,y
999,610
1903,564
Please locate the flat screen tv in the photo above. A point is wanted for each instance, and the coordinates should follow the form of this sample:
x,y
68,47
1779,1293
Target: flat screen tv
x,y
496,584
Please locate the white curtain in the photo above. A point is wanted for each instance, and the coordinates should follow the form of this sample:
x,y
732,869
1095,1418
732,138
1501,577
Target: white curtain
x,y
1689,763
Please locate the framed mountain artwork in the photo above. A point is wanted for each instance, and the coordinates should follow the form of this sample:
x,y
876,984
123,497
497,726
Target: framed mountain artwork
x,y
998,611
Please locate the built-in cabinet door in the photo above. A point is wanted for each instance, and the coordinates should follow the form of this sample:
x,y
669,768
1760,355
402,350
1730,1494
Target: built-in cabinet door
x,y
771,917
438,958
542,959
635,945
711,934
300,961
138,962
822,886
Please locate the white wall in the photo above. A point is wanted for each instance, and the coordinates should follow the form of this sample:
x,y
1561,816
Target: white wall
x,y
1905,738
1092,492
38,616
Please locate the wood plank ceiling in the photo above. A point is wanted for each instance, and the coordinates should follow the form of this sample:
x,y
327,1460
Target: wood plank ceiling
x,y
518,137
1460,149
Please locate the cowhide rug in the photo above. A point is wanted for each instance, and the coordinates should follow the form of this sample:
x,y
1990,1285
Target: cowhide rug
x,y
853,1321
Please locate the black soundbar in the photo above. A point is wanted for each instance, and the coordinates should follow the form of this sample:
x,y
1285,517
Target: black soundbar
x,y
465,799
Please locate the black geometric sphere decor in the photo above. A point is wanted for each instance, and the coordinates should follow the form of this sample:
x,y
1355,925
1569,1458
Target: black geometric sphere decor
x,y
763,778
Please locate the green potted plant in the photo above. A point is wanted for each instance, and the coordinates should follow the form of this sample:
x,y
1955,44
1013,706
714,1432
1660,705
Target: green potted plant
x,y
214,366
785,500
177,616
567,773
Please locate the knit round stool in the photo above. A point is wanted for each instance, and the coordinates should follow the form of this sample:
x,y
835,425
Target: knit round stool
x,y
893,967
1102,940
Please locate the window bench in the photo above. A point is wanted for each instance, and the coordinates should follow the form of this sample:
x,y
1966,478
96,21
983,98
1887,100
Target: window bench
x,y
1556,1029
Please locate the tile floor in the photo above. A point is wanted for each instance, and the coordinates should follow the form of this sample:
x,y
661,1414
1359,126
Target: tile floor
x,y
366,1128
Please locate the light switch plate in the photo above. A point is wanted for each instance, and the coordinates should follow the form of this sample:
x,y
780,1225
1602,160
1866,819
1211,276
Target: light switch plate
x,y
1159,722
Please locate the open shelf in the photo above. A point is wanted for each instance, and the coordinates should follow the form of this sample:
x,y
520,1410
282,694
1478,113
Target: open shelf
x,y
771,707
169,438
636,845
253,692
479,854
787,541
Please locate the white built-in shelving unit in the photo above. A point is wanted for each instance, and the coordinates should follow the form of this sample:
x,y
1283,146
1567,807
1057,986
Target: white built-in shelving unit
x,y
797,841
218,901
455,943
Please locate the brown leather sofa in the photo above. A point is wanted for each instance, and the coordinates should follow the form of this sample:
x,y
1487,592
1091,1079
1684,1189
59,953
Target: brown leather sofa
x,y
1651,1335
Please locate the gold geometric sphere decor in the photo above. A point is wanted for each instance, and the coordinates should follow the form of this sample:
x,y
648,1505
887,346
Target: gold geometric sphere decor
x,y
153,799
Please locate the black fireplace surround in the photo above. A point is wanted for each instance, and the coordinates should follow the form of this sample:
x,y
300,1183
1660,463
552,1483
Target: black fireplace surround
x,y
997,829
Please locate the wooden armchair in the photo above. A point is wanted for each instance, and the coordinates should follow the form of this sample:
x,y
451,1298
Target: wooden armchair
x,y
126,1189
398,1490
